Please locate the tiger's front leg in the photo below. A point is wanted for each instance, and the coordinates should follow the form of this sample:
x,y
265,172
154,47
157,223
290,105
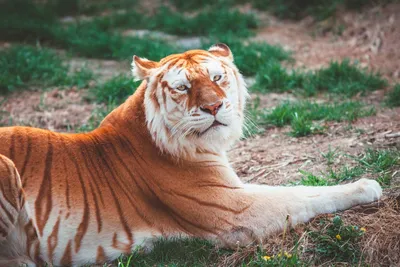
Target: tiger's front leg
x,y
18,237
272,205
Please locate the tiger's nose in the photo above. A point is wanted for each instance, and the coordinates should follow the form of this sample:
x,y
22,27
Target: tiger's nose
x,y
212,109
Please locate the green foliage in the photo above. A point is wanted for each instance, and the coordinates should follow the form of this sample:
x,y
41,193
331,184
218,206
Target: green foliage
x,y
206,22
293,9
337,242
199,4
87,39
301,126
345,173
272,77
176,252
22,20
379,161
310,179
320,10
285,113
279,260
338,78
22,65
393,97
115,90
97,116
330,155
343,78
250,57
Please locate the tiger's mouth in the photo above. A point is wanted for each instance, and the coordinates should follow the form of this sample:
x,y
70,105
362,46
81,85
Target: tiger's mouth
x,y
213,125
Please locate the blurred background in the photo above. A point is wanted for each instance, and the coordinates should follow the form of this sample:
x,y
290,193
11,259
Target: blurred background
x,y
324,107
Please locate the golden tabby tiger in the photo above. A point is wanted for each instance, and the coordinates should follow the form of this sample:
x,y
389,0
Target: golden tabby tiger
x,y
155,167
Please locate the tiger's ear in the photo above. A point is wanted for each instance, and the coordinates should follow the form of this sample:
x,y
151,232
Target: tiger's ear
x,y
142,67
221,50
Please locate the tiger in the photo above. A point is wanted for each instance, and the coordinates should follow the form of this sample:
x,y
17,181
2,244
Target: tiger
x,y
156,167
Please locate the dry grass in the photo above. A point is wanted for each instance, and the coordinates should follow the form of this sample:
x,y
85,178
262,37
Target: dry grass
x,y
379,246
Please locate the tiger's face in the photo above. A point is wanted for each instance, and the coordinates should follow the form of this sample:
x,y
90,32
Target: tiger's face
x,y
194,101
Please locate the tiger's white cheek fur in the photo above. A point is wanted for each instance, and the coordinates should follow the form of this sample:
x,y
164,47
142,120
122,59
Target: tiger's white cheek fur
x,y
164,121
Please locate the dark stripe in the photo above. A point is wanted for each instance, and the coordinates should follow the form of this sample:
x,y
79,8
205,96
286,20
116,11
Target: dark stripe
x,y
67,193
9,215
12,145
83,226
27,158
93,179
209,204
52,240
3,232
66,259
102,162
105,164
43,203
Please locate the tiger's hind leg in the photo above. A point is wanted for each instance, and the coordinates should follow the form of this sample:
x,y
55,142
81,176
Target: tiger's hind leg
x,y
17,233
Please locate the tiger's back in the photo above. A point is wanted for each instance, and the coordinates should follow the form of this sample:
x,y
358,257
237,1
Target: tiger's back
x,y
75,193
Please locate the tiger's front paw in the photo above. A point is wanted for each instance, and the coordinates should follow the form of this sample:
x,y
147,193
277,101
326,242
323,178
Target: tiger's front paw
x,y
368,190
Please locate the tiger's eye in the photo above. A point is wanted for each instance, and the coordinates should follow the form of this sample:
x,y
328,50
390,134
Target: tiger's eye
x,y
181,87
217,78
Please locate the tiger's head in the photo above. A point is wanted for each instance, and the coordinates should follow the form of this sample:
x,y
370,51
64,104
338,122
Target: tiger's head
x,y
194,101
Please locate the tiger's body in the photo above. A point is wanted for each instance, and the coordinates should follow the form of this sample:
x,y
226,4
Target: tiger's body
x,y
155,167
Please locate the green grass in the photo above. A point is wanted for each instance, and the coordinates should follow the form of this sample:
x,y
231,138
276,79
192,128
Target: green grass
x,y
89,40
97,116
344,78
320,10
99,38
285,113
176,252
249,57
336,242
273,77
332,240
380,163
341,78
110,94
25,65
116,90
204,23
330,155
393,97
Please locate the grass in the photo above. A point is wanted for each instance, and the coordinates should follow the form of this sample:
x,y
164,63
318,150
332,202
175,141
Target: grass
x,y
393,97
320,10
110,95
341,78
380,163
332,240
97,116
336,242
25,65
250,57
177,252
289,112
116,90
204,23
330,155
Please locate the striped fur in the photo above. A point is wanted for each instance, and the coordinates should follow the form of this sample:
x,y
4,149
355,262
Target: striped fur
x,y
155,167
